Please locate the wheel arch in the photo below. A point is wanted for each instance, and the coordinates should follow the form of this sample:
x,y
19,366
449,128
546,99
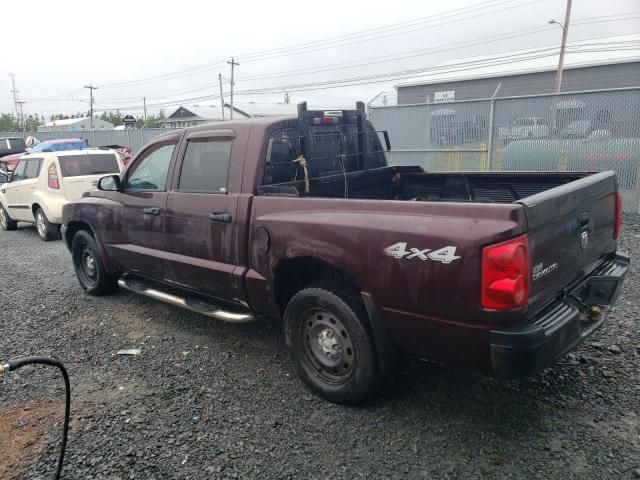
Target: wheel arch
x,y
291,275
294,274
73,227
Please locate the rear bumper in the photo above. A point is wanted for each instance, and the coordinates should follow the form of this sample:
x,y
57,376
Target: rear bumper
x,y
525,349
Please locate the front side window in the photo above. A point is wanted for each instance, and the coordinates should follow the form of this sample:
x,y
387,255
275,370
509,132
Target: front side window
x,y
33,168
18,173
205,166
150,171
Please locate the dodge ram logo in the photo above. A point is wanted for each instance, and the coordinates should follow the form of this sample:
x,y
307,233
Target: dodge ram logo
x,y
584,240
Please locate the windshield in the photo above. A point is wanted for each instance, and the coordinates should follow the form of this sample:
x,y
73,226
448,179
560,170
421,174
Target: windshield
x,y
77,144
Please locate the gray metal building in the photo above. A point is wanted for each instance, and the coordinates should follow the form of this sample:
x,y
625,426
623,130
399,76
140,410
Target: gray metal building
x,y
605,63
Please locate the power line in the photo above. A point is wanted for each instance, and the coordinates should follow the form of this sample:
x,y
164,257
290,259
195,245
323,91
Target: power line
x,y
383,59
397,75
339,41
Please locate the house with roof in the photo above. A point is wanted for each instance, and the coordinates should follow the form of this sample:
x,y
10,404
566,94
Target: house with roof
x,y
603,63
190,115
75,125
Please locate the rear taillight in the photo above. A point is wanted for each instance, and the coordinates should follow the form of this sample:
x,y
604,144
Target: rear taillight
x,y
505,274
52,175
617,225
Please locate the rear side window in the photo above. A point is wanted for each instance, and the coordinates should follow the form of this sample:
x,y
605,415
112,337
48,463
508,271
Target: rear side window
x,y
78,165
33,168
205,167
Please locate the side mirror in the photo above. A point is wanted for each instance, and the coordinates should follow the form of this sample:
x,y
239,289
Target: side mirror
x,y
110,183
4,177
386,140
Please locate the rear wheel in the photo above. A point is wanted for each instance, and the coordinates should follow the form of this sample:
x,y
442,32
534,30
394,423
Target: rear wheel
x,y
326,333
47,230
89,267
5,220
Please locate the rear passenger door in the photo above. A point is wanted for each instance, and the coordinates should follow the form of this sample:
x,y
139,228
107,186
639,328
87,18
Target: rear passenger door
x,y
201,216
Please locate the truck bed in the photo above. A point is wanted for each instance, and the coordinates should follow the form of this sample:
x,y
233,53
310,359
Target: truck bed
x,y
413,184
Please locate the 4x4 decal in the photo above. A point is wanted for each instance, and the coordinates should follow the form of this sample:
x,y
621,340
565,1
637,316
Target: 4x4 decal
x,y
442,255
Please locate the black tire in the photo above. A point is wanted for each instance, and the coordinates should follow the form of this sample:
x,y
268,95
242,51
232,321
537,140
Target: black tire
x,y
6,222
47,231
327,335
89,267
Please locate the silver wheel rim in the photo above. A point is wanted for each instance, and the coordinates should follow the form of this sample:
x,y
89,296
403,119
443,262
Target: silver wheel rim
x,y
328,348
42,228
3,218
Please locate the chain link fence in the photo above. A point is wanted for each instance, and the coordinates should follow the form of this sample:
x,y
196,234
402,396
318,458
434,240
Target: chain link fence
x,y
583,131
99,138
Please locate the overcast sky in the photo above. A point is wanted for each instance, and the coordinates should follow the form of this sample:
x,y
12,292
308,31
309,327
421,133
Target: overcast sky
x,y
55,48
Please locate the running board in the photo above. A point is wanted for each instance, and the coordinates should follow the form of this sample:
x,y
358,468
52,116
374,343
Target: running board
x,y
184,300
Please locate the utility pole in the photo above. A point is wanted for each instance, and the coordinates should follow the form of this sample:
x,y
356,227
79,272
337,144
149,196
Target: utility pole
x,y
233,64
15,94
221,96
565,33
21,103
144,106
91,89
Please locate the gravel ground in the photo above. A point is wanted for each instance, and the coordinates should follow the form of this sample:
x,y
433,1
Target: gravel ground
x,y
207,399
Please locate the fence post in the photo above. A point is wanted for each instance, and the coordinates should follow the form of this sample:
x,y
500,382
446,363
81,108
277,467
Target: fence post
x,y
492,112
483,157
457,157
563,162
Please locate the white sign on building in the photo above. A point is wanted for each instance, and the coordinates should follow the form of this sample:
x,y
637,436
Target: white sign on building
x,y
444,97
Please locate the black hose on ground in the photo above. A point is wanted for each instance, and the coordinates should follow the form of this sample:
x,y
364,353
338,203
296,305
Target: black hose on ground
x,y
18,363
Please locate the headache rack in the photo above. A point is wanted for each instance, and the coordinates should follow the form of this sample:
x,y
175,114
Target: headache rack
x,y
324,142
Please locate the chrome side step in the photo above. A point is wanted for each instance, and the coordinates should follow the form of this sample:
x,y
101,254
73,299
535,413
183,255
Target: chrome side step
x,y
198,305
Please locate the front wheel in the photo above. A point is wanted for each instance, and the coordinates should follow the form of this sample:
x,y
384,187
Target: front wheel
x,y
327,336
6,222
46,230
88,265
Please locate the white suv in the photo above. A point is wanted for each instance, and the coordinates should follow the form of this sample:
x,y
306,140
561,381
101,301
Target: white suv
x,y
42,183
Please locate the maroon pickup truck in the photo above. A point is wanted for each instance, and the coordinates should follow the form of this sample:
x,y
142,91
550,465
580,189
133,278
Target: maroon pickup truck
x,y
301,218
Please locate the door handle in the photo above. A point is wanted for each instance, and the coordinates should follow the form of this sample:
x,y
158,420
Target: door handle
x,y
151,211
220,217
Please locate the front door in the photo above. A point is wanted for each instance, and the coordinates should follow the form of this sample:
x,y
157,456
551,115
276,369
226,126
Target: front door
x,y
19,192
201,217
138,245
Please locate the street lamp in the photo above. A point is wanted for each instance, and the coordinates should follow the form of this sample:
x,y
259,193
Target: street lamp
x,y
552,21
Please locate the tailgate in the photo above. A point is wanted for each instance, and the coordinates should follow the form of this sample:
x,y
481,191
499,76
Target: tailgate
x,y
74,187
81,171
570,229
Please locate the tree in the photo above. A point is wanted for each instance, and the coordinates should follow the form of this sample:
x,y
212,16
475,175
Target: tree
x,y
7,122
